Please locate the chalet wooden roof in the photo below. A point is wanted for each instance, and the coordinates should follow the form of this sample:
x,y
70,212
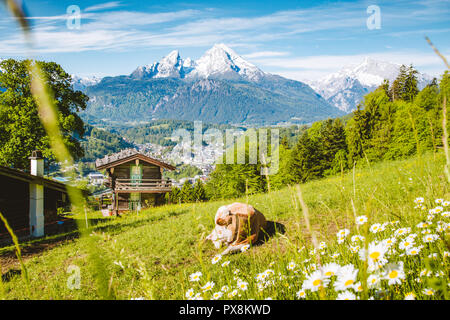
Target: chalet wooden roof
x,y
127,155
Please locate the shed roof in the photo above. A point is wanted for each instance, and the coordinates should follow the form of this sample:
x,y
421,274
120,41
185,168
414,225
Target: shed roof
x,y
27,177
127,155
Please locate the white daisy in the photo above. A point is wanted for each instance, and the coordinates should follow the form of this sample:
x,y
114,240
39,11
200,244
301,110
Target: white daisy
x,y
346,295
394,273
301,294
208,286
410,296
360,220
346,277
216,259
330,269
315,281
190,293
195,276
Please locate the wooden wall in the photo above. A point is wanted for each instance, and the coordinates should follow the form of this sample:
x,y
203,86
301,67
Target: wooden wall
x,y
14,203
148,171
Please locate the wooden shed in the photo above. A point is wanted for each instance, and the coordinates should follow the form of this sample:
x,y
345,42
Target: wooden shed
x,y
135,180
28,201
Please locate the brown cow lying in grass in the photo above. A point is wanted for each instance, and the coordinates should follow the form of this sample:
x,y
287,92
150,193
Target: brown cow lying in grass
x,y
237,225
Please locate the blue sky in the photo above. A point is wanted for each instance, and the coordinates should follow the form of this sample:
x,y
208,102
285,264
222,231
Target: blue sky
x,y
297,39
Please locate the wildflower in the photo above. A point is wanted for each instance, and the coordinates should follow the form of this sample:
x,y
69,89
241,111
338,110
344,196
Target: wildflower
x,y
216,259
445,214
269,272
195,276
198,296
245,248
225,289
373,280
208,286
439,201
354,249
389,242
291,265
346,277
360,220
330,269
322,245
217,295
335,255
410,296
438,210
346,295
428,292
340,240
422,225
343,233
413,251
315,281
394,273
425,273
375,255
225,263
190,293
301,294
419,200
236,271
430,238
402,231
376,227
242,285
357,237
446,203
233,293
405,244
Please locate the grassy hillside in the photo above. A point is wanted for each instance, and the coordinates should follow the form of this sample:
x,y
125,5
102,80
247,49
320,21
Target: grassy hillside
x,y
152,254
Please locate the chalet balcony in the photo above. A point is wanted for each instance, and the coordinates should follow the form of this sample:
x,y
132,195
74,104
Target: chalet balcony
x,y
143,185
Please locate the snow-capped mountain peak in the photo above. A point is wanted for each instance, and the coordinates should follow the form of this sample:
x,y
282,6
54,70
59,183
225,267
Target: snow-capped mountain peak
x,y
218,62
80,83
222,61
347,87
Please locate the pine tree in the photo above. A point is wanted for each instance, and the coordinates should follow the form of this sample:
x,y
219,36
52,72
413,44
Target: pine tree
x,y
199,193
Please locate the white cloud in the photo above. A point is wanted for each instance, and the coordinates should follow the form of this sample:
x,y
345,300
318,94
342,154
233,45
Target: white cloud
x,y
106,5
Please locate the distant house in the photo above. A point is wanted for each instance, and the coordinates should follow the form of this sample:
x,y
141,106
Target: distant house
x,y
96,178
28,201
135,180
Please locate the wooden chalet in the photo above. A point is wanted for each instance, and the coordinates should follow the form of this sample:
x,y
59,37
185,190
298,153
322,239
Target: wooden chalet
x,y
135,180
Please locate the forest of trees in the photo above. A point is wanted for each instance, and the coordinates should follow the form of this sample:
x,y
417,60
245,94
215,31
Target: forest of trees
x,y
395,121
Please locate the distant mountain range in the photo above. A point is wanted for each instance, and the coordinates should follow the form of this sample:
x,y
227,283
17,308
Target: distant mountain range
x,y
220,87
346,88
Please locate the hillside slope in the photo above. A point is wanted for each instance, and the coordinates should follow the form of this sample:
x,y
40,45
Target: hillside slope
x,y
152,254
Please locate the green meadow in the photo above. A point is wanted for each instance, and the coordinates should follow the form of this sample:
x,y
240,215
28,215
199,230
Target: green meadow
x,y
152,254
